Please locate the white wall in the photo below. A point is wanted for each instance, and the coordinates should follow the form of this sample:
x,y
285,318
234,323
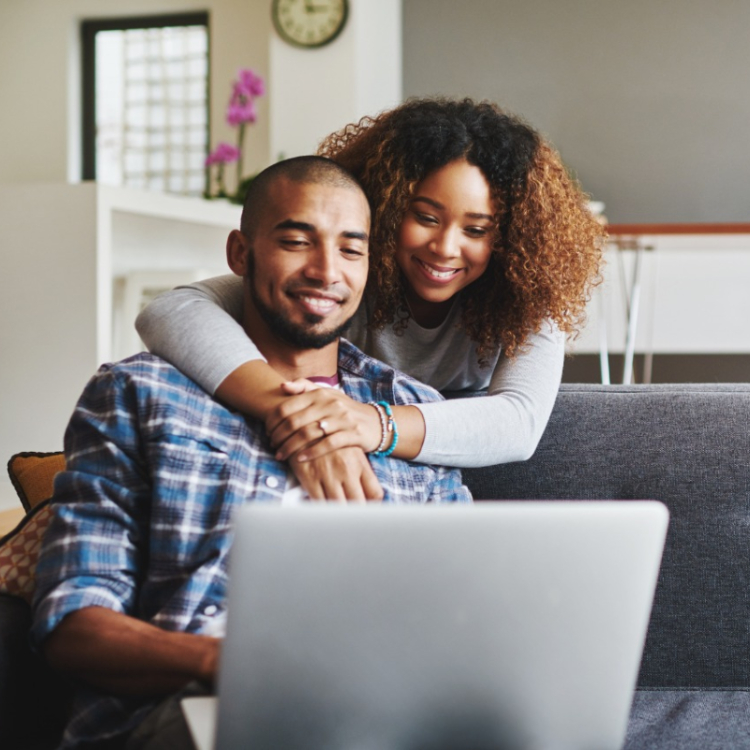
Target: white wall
x,y
48,344
318,91
40,77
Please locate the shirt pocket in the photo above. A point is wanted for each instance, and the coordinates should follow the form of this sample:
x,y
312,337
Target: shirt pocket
x,y
191,500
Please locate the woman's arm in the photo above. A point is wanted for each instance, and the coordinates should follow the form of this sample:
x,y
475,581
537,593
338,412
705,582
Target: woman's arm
x,y
196,328
504,426
507,424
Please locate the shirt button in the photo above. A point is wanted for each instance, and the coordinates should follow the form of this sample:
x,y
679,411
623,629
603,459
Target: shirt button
x,y
272,482
211,609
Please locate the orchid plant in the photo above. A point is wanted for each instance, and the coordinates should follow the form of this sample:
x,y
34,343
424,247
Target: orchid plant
x,y
241,111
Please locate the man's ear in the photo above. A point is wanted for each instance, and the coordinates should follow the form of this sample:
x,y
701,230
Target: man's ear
x,y
237,249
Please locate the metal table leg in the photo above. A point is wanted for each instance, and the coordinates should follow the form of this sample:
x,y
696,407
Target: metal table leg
x,y
631,290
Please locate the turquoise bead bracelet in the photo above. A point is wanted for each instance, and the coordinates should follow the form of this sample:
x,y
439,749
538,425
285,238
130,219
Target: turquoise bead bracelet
x,y
389,426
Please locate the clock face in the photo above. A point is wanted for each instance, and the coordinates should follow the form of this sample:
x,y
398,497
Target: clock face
x,y
309,23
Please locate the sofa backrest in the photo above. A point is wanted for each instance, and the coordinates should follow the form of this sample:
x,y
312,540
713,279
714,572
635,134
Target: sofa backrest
x,y
688,446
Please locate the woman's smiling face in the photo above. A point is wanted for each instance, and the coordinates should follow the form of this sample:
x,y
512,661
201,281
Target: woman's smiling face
x,y
445,239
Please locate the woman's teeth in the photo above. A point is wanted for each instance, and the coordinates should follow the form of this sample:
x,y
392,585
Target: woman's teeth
x,y
439,274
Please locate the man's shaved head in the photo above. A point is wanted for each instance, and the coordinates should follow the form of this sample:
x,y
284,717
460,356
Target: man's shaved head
x,y
300,169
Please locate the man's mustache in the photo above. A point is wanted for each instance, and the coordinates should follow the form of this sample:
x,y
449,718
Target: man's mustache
x,y
339,292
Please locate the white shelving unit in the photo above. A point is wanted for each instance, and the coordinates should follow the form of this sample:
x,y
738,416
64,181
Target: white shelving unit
x,y
70,257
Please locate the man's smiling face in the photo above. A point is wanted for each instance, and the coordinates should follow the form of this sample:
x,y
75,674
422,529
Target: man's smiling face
x,y
307,262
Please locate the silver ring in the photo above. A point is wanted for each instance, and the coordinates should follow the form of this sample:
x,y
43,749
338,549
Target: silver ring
x,y
324,427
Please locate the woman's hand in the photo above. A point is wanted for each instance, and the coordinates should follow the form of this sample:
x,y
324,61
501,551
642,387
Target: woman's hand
x,y
330,464
342,475
314,421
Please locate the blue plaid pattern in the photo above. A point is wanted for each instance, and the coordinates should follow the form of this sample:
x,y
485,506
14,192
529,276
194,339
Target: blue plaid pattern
x,y
155,469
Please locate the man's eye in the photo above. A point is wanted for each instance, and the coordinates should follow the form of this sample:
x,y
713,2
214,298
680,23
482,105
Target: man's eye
x,y
352,252
294,244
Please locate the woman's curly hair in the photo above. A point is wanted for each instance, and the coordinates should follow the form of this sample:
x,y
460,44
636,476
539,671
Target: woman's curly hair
x,y
547,247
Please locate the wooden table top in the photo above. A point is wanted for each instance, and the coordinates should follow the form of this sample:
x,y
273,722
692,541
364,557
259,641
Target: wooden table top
x,y
634,230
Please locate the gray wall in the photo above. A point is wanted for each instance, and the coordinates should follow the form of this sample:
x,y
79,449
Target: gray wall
x,y
648,101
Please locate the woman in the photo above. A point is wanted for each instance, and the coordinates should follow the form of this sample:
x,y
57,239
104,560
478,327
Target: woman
x,y
483,254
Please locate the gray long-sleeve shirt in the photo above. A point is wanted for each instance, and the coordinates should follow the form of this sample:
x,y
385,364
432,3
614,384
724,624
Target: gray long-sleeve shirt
x,y
190,328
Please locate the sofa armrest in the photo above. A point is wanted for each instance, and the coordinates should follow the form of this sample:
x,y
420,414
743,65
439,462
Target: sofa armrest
x,y
34,701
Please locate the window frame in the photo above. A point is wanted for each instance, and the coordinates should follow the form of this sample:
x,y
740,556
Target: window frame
x,y
89,29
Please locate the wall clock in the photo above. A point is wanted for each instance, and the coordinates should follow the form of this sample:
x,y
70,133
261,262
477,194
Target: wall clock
x,y
309,23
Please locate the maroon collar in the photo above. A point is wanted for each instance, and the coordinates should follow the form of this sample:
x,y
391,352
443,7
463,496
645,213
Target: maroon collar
x,y
332,382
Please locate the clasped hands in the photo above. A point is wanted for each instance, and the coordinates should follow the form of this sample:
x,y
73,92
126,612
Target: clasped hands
x,y
324,436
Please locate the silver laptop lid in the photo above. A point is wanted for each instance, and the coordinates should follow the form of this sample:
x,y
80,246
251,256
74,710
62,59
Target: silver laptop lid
x,y
497,625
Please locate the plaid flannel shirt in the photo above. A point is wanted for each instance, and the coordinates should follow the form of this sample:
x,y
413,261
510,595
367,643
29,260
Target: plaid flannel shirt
x,y
142,514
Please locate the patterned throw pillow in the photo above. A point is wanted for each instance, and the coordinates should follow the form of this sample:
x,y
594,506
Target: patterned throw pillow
x,y
32,474
19,551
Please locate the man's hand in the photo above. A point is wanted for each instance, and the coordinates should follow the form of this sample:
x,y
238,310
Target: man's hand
x,y
315,420
126,656
341,475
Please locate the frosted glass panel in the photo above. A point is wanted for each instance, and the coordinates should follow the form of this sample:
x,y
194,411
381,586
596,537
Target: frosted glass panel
x,y
151,103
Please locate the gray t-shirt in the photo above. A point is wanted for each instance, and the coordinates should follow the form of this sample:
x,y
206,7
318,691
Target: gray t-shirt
x,y
190,328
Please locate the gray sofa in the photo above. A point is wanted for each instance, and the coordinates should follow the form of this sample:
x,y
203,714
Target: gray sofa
x,y
688,446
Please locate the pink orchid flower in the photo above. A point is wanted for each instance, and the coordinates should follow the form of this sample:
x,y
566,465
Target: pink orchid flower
x,y
224,153
249,83
239,112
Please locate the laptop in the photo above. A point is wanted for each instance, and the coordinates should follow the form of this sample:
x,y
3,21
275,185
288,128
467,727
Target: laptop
x,y
377,627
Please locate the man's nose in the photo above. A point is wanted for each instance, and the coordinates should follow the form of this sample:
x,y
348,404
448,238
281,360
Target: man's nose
x,y
324,265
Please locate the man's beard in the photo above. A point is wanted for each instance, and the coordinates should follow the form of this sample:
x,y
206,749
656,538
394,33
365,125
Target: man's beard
x,y
298,336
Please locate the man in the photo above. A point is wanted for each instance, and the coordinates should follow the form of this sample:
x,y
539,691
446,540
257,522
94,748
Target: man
x,y
132,577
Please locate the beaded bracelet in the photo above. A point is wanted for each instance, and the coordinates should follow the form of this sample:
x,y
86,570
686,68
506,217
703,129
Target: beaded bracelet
x,y
389,428
383,427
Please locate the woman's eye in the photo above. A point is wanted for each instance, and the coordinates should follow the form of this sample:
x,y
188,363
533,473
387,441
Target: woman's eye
x,y
425,218
477,231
